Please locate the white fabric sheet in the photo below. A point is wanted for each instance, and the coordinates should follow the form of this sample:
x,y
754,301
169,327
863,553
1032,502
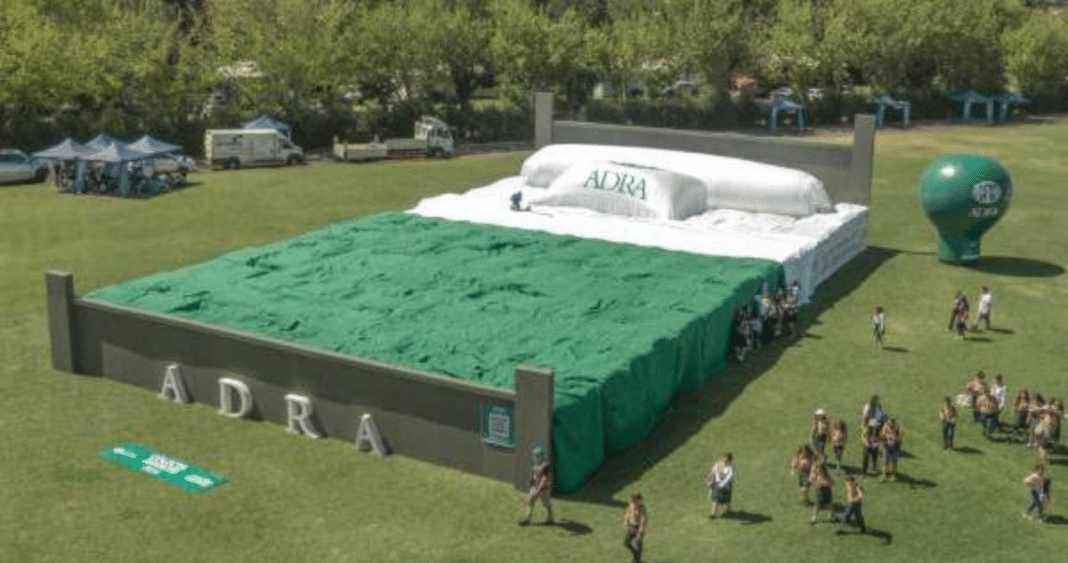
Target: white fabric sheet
x,y
810,248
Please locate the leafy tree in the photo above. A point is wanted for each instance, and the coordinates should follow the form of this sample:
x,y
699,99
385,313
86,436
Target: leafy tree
x,y
531,50
1036,53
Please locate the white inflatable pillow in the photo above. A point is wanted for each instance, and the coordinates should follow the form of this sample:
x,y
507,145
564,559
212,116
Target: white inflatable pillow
x,y
626,190
730,183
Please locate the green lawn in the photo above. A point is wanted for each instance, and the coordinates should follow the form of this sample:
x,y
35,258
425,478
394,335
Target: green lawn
x,y
295,499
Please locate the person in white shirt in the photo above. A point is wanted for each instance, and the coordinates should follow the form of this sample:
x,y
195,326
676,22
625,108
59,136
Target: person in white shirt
x,y
720,480
999,390
982,313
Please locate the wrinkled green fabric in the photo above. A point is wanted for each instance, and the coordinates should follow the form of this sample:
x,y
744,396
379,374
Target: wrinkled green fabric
x,y
624,327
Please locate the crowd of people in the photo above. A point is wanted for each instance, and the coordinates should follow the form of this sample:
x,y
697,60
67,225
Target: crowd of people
x,y
106,178
768,317
880,434
1036,422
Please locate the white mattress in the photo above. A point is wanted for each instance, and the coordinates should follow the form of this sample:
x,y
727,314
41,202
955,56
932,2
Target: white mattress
x,y
810,248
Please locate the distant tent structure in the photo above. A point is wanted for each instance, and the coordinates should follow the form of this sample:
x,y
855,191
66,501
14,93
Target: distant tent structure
x,y
970,98
150,146
264,121
1006,100
885,101
782,103
69,149
117,153
101,141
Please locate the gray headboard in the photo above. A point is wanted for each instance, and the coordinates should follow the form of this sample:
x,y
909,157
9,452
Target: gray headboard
x,y
846,170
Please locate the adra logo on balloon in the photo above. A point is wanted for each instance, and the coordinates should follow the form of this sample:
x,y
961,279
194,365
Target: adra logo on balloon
x,y
964,194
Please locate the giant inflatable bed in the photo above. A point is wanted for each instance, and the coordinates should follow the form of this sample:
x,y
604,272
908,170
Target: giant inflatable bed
x,y
616,265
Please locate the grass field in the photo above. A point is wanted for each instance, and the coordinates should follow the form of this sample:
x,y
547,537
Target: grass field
x,y
294,499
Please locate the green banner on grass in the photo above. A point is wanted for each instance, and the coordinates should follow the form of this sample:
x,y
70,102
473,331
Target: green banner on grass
x,y
163,467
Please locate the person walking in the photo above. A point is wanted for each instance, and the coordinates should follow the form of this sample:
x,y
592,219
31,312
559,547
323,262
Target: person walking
x,y
947,413
1036,483
890,438
855,498
721,483
878,325
635,522
801,465
839,438
983,309
870,441
821,478
541,487
872,411
820,431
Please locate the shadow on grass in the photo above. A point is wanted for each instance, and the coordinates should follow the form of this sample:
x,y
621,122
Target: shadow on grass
x,y
968,450
1056,520
746,518
895,349
1002,330
914,482
691,410
1017,267
977,339
574,528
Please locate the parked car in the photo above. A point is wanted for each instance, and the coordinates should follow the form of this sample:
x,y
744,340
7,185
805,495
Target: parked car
x,y
17,166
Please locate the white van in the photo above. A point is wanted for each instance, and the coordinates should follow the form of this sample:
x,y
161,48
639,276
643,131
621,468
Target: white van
x,y
234,148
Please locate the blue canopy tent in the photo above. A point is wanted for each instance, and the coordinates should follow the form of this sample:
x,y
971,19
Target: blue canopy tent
x,y
151,146
972,97
116,154
1006,100
886,101
101,141
68,150
782,103
265,121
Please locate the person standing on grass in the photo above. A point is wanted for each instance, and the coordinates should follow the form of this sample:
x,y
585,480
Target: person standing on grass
x,y
820,431
873,410
1000,393
890,439
801,465
839,438
721,483
987,407
855,498
1036,483
982,311
959,300
947,413
1023,405
821,478
870,441
878,325
541,487
635,522
976,388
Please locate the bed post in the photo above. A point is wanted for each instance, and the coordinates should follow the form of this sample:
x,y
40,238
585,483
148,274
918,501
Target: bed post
x,y
863,159
59,292
533,419
543,119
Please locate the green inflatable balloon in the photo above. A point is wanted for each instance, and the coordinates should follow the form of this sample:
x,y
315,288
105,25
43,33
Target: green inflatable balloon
x,y
964,194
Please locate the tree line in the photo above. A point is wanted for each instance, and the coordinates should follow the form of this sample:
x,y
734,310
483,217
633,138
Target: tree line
x,y
357,67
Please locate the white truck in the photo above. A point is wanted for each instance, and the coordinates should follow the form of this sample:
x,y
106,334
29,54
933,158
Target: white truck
x,y
432,137
234,148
